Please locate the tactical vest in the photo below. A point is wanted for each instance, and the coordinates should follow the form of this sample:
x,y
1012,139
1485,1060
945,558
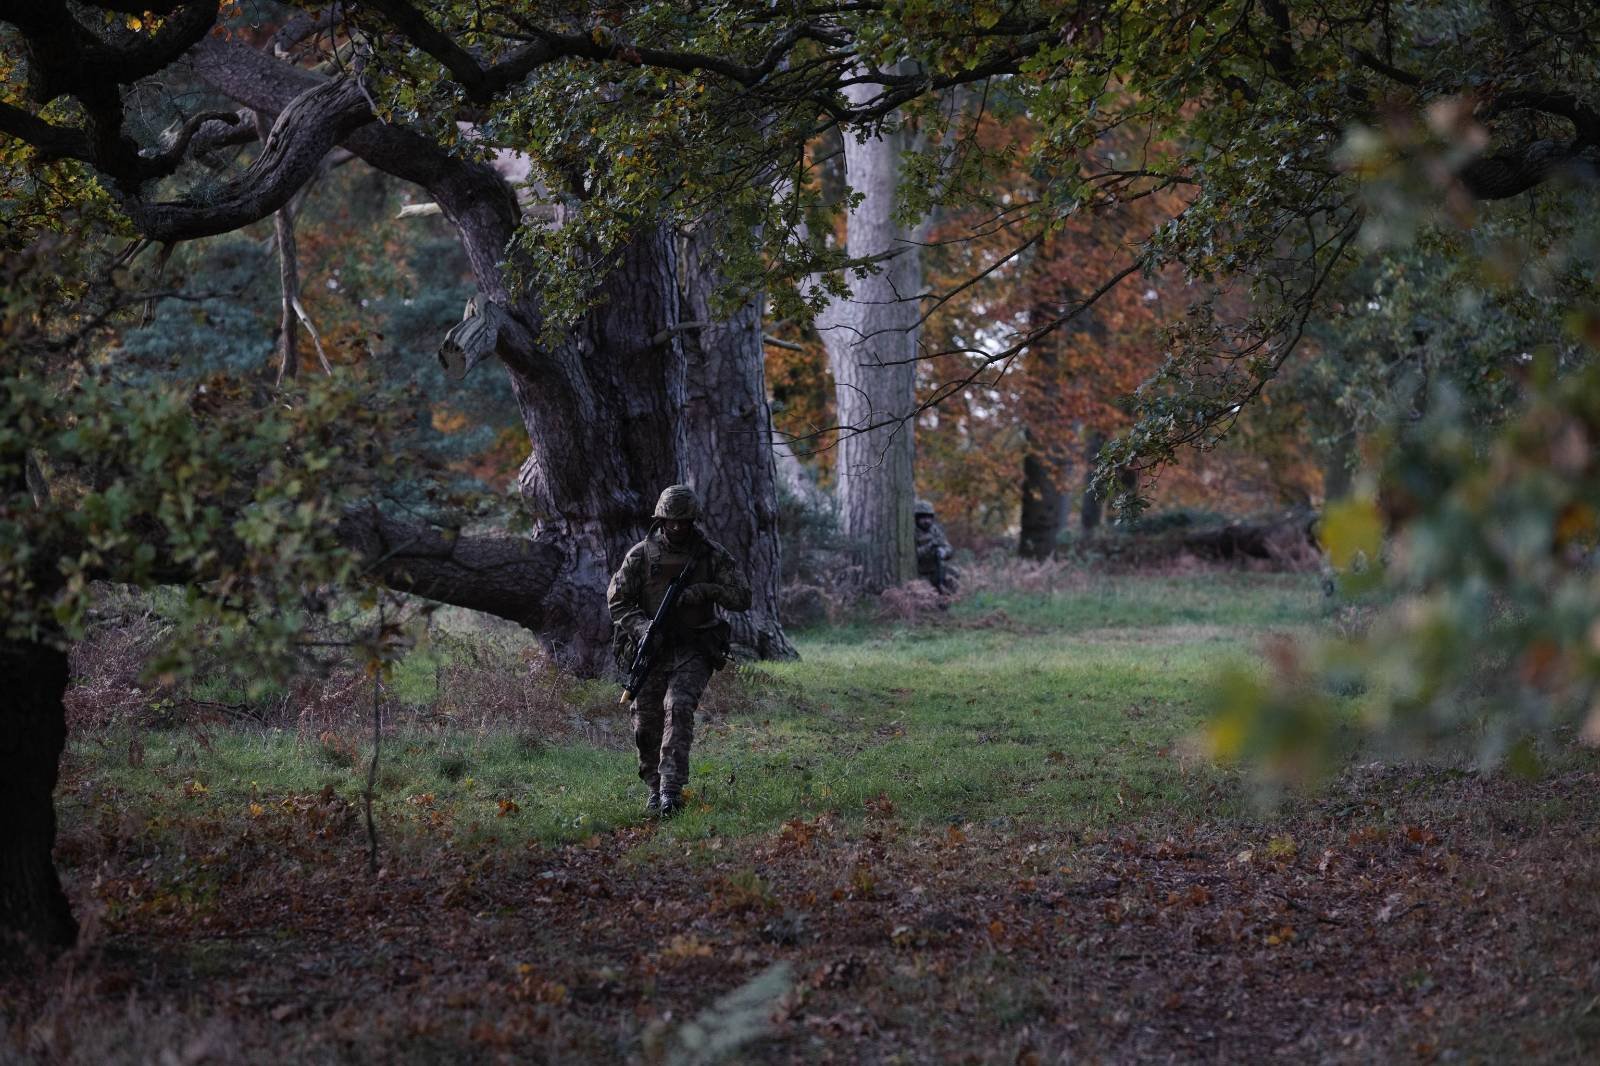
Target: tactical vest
x,y
665,564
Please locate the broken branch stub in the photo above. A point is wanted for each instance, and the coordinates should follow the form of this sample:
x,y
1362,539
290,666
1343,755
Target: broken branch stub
x,y
474,339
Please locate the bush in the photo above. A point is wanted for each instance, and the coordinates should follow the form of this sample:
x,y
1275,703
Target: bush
x,y
808,528
820,579
1179,518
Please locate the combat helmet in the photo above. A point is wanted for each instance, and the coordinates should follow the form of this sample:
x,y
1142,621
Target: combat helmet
x,y
922,507
677,502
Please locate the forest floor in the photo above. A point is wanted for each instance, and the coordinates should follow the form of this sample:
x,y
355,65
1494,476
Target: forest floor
x,y
976,836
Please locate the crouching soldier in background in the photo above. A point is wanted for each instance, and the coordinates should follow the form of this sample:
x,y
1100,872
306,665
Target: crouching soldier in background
x,y
933,549
696,638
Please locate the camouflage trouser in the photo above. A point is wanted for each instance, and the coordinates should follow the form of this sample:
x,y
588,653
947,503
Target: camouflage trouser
x,y
663,718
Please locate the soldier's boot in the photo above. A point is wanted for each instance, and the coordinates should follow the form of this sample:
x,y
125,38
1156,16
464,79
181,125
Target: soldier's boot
x,y
652,806
671,803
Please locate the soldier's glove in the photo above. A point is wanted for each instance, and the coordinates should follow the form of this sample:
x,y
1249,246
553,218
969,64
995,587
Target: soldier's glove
x,y
695,595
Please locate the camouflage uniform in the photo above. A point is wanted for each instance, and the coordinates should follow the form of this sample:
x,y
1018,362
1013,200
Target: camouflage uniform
x,y
663,710
932,547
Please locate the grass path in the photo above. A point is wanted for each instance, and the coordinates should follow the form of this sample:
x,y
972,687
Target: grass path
x,y
1070,708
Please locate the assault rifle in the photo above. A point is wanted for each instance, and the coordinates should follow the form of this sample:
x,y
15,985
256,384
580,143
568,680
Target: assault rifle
x,y
656,635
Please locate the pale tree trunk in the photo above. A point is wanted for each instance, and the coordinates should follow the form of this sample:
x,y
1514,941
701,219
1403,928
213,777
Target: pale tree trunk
x,y
871,340
728,451
289,284
288,279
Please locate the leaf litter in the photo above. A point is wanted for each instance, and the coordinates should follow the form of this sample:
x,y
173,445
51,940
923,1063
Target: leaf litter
x,y
1442,916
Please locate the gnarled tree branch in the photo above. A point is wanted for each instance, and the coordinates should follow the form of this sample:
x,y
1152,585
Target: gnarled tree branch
x,y
1514,171
517,578
308,128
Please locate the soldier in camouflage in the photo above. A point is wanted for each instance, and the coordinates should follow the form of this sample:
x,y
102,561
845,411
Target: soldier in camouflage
x,y
933,549
697,644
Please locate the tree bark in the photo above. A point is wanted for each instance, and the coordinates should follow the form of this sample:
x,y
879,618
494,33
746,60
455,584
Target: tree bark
x,y
289,284
728,440
872,346
603,406
288,279
1089,516
512,577
602,413
33,909
1044,505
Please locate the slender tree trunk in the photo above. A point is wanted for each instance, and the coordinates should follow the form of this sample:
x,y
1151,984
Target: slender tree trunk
x,y
729,448
289,284
33,909
872,344
288,279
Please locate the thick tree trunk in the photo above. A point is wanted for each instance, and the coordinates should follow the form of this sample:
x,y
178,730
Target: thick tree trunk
x,y
1044,505
872,346
603,415
33,909
729,448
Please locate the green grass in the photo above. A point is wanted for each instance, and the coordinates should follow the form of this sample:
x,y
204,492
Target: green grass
x,y
1068,708
1234,600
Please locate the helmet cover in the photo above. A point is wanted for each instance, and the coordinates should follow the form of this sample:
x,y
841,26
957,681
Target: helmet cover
x,y
677,502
